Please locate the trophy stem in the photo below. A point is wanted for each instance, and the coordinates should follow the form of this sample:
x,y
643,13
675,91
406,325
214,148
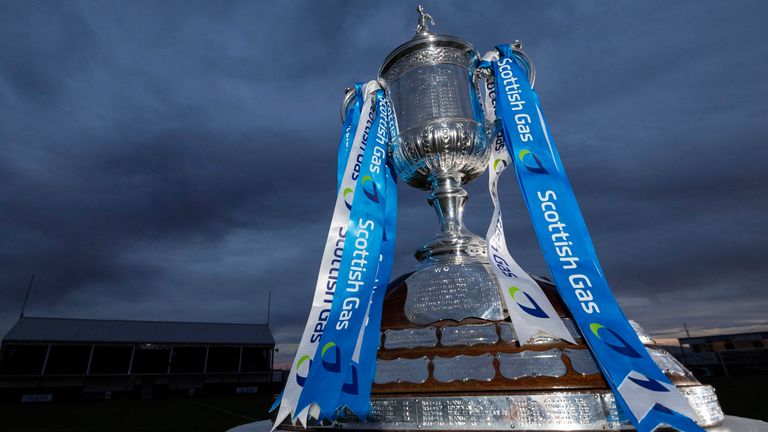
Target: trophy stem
x,y
453,240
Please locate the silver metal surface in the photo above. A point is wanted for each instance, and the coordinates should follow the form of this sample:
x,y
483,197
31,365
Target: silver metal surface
x,y
463,368
452,291
531,412
645,338
667,363
432,82
582,361
438,146
402,370
424,40
517,48
454,241
704,401
469,335
573,329
554,411
428,56
410,338
542,339
729,424
425,20
507,332
349,96
532,364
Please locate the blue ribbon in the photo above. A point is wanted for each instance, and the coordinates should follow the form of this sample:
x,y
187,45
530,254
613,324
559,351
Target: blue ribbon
x,y
357,274
351,120
571,257
360,402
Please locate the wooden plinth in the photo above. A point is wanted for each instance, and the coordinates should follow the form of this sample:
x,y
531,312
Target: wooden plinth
x,y
394,319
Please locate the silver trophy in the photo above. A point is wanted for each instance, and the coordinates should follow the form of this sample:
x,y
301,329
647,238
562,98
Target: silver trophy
x,y
448,358
433,82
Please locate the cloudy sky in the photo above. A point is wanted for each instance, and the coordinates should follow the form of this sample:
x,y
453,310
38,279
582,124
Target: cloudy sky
x,y
175,160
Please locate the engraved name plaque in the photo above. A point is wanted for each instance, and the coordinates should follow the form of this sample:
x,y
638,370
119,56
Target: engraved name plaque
x,y
564,412
573,411
410,338
454,292
481,413
582,361
464,368
532,364
469,335
402,370
392,411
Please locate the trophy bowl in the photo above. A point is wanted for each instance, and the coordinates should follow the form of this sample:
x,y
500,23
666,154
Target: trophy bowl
x,y
440,135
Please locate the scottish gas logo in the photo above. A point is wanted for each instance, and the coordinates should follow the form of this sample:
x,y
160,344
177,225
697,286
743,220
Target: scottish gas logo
x,y
613,340
348,195
301,373
369,188
617,343
531,162
331,362
499,165
533,310
649,384
331,355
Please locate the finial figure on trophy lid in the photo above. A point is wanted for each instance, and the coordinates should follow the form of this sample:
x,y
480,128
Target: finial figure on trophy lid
x,y
425,20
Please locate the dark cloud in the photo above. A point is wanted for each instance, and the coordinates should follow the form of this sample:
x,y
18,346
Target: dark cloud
x,y
175,160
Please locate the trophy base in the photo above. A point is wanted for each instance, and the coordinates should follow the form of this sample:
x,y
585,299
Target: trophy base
x,y
529,411
469,372
473,374
729,424
540,411
451,288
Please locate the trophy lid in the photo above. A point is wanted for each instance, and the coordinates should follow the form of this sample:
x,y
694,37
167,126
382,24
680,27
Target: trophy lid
x,y
425,39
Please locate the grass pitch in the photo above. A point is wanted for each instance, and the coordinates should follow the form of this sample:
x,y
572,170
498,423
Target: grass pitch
x,y
191,414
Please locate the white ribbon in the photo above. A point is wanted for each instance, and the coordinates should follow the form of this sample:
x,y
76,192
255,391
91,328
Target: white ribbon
x,y
515,282
329,266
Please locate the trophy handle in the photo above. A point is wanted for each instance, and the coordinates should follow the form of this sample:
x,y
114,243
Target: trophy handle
x,y
517,49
